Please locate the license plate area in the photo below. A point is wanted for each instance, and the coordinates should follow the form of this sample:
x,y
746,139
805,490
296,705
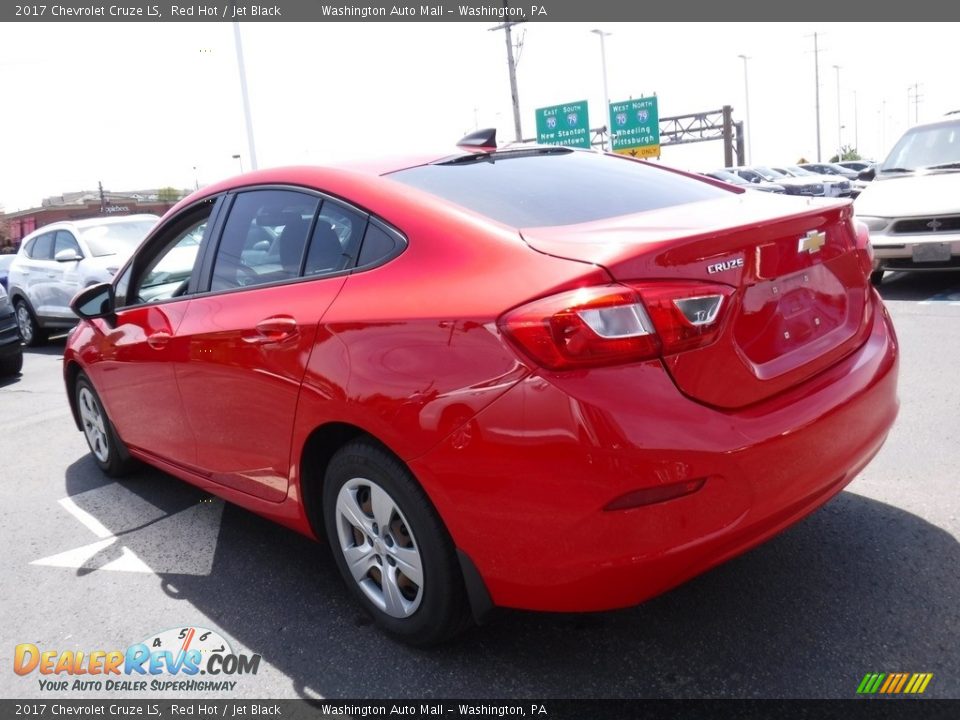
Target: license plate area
x,y
931,252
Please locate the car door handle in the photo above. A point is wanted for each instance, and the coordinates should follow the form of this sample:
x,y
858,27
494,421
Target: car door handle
x,y
158,340
272,330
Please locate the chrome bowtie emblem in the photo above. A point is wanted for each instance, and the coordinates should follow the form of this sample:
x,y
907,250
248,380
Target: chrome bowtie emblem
x,y
812,242
934,225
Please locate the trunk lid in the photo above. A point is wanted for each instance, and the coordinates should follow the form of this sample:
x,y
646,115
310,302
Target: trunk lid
x,y
801,300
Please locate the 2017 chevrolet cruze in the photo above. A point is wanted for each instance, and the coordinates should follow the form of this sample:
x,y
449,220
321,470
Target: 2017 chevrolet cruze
x,y
530,377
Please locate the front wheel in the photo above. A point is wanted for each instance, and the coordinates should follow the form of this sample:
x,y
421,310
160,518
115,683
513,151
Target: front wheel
x,y
876,277
30,331
109,453
391,547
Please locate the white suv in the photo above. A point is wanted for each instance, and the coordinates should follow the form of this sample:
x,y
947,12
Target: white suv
x,y
60,259
912,208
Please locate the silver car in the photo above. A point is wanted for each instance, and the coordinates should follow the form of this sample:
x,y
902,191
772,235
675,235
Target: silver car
x,y
912,208
60,259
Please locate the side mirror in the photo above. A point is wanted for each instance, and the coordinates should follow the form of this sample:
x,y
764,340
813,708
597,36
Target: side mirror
x,y
96,301
67,255
867,175
755,180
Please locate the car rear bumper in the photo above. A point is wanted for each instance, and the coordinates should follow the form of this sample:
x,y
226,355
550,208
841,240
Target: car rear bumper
x,y
524,497
899,252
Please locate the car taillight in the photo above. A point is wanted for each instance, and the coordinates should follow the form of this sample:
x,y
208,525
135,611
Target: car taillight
x,y
864,248
615,324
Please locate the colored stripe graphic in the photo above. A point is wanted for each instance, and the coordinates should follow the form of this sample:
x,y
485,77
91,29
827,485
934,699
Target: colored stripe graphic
x,y
894,683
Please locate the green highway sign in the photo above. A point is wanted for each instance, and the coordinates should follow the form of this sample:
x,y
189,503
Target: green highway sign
x,y
566,124
635,127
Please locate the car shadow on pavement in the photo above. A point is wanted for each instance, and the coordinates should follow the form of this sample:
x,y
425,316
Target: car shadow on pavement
x,y
860,586
53,346
926,285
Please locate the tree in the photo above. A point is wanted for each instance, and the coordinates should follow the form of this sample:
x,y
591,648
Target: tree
x,y
168,194
846,153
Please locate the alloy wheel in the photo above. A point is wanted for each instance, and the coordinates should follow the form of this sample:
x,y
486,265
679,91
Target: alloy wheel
x,y
25,323
94,424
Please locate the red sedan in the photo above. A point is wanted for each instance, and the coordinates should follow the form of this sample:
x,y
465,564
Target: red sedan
x,y
527,377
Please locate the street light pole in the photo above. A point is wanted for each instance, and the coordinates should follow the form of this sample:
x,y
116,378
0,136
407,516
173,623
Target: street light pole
x,y
245,96
746,97
839,126
816,82
606,95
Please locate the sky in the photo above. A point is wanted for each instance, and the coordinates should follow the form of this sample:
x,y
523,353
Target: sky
x,y
146,105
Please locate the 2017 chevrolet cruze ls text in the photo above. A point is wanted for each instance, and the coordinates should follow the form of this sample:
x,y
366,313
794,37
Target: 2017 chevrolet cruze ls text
x,y
526,377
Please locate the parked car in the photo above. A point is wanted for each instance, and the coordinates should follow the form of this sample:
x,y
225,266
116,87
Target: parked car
x,y
5,261
856,165
531,377
833,186
11,354
759,174
57,260
734,179
830,169
913,206
836,170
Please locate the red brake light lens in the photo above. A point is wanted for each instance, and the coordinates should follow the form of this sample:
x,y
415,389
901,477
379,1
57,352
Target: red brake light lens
x,y
589,327
616,324
687,315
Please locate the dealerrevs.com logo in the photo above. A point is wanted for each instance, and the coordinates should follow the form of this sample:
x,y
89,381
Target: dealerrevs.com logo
x,y
178,660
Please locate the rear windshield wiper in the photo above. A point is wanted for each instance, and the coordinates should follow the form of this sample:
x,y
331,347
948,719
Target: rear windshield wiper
x,y
944,166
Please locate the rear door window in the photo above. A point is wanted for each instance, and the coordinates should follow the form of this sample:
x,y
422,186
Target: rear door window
x,y
41,248
264,238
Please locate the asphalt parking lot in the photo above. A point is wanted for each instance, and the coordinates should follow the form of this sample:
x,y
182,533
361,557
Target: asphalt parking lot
x,y
870,583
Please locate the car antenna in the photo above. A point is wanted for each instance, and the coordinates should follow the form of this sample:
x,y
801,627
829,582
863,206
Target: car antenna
x,y
485,139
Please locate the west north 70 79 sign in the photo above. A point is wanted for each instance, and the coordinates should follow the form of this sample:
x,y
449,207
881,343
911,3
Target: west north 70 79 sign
x,y
566,124
635,127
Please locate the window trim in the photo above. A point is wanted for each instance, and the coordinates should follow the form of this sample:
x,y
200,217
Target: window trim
x,y
213,243
147,250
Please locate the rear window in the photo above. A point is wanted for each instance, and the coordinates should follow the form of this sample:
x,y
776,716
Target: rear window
x,y
120,238
555,187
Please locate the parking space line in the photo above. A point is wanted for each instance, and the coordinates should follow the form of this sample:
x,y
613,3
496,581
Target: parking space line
x,y
88,520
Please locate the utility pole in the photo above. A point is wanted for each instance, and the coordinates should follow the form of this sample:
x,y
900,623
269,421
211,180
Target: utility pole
x,y
839,120
916,103
103,199
512,67
746,97
816,76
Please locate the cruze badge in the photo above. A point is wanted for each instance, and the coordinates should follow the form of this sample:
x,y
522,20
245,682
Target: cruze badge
x,y
812,242
725,265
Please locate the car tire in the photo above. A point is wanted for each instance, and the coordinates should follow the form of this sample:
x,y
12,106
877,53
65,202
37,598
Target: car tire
x,y
108,451
876,277
30,331
381,526
11,365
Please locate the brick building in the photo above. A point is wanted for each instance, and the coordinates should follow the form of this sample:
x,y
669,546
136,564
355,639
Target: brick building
x,y
84,204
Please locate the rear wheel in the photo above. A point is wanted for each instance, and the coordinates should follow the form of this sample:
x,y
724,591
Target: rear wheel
x,y
107,450
30,331
391,547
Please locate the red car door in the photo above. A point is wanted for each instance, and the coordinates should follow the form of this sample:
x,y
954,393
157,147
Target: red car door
x,y
140,349
279,265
